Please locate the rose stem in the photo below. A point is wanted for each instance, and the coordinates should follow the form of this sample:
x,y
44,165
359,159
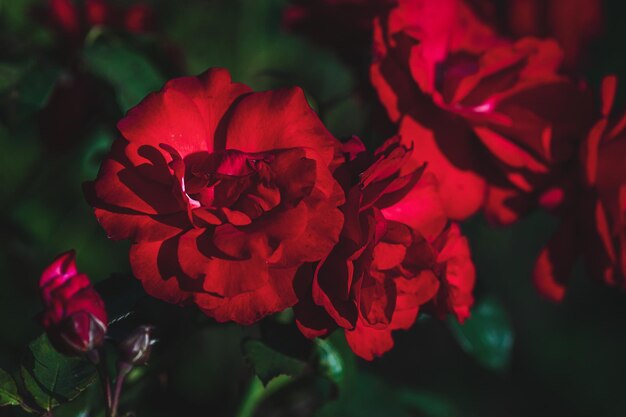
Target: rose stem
x,y
95,356
123,370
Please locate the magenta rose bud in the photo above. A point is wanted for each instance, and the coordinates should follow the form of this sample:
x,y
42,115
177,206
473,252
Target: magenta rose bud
x,y
74,316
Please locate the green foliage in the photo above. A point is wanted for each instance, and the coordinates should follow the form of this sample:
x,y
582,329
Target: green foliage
x,y
51,378
367,397
487,335
36,85
428,404
8,390
26,88
9,75
269,363
247,39
131,73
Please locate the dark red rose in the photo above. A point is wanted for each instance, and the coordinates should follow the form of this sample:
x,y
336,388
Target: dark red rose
x,y
74,317
495,120
390,258
223,192
596,224
573,23
342,25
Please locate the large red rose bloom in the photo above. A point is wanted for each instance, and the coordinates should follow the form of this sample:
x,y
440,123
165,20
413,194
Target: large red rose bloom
x,y
494,118
223,192
395,254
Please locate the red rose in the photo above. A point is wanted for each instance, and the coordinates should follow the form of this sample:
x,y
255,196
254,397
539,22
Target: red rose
x,y
386,264
494,119
224,193
74,317
596,224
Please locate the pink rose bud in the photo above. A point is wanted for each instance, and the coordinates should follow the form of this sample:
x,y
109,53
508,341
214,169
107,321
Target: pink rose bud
x,y
74,316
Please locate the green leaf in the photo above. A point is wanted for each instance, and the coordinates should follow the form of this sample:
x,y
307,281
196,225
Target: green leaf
x,y
51,378
487,335
131,74
268,363
8,390
329,361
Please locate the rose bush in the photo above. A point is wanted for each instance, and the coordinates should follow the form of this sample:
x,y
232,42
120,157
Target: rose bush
x,y
223,192
74,316
494,118
396,253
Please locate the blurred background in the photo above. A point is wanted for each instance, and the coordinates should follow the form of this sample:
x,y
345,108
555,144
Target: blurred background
x,y
65,83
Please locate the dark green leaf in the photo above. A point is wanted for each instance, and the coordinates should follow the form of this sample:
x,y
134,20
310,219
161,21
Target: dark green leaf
x,y
268,363
36,85
487,335
51,378
9,75
131,74
97,146
367,397
8,390
20,154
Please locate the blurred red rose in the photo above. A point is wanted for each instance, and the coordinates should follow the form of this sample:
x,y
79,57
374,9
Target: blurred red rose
x,y
73,19
573,23
596,225
342,25
74,317
224,193
389,260
73,105
495,120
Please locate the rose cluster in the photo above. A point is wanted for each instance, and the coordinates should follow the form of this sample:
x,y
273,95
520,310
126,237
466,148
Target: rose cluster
x,y
244,204
506,131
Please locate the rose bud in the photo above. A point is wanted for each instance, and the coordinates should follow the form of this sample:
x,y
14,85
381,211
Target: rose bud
x,y
74,317
136,348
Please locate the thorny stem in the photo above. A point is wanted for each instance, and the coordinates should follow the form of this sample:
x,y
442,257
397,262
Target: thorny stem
x,y
123,370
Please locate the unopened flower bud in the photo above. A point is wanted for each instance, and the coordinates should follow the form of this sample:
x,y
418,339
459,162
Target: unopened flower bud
x,y
74,317
136,348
